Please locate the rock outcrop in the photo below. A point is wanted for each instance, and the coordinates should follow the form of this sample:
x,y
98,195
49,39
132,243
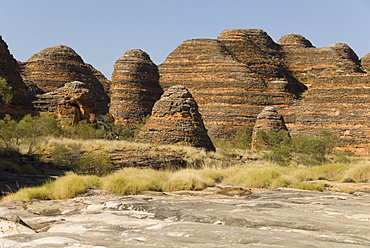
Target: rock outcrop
x,y
338,91
286,218
21,103
269,119
305,61
135,88
232,78
73,100
176,120
53,67
365,62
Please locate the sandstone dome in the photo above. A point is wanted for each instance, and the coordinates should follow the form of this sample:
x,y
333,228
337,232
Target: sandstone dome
x,y
294,40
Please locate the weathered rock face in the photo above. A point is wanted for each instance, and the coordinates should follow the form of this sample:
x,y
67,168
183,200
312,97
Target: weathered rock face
x,y
340,104
232,78
268,119
53,67
305,61
9,69
365,62
338,92
176,120
73,100
102,79
280,218
135,88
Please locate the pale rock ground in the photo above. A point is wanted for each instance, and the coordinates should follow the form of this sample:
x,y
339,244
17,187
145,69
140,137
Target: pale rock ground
x,y
278,218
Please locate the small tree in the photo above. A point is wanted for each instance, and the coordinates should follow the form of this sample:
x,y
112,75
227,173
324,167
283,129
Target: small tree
x,y
5,91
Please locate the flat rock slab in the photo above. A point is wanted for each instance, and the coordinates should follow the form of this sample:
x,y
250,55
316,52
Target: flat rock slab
x,y
279,218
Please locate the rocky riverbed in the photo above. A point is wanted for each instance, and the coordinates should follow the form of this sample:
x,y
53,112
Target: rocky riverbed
x,y
278,218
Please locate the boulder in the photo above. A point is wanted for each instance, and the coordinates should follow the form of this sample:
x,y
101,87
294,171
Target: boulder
x,y
74,100
268,119
176,120
135,88
53,67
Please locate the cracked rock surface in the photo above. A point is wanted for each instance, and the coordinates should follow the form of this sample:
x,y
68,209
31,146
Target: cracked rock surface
x,y
279,218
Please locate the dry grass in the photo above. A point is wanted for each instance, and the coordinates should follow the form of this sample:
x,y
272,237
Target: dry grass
x,y
130,181
65,187
204,170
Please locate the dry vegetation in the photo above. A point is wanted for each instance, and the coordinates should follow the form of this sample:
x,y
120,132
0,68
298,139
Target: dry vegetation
x,y
235,166
303,162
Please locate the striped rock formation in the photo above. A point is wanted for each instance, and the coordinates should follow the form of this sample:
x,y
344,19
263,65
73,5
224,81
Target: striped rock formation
x,y
268,119
232,78
21,103
365,62
338,90
73,100
135,88
53,67
176,120
304,60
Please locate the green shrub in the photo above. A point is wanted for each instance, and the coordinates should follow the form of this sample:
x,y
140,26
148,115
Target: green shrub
x,y
309,149
62,156
9,166
6,94
243,138
271,138
95,163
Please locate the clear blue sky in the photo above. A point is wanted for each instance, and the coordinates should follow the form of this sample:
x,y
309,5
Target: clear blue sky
x,y
100,31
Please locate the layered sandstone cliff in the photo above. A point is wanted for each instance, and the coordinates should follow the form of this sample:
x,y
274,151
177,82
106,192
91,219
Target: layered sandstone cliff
x,y
9,70
135,88
365,62
232,78
53,67
175,120
338,90
305,61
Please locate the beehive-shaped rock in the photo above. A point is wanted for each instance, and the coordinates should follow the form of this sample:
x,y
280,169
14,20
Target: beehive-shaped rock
x,y
21,103
256,49
306,61
53,67
232,78
365,62
176,120
135,88
268,119
73,100
295,40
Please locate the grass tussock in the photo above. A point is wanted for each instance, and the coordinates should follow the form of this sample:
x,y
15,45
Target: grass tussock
x,y
189,179
129,181
65,187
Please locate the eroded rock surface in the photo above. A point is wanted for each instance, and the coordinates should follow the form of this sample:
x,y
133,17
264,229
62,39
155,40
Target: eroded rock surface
x,y
135,88
268,120
279,218
73,100
176,120
21,103
232,78
53,67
